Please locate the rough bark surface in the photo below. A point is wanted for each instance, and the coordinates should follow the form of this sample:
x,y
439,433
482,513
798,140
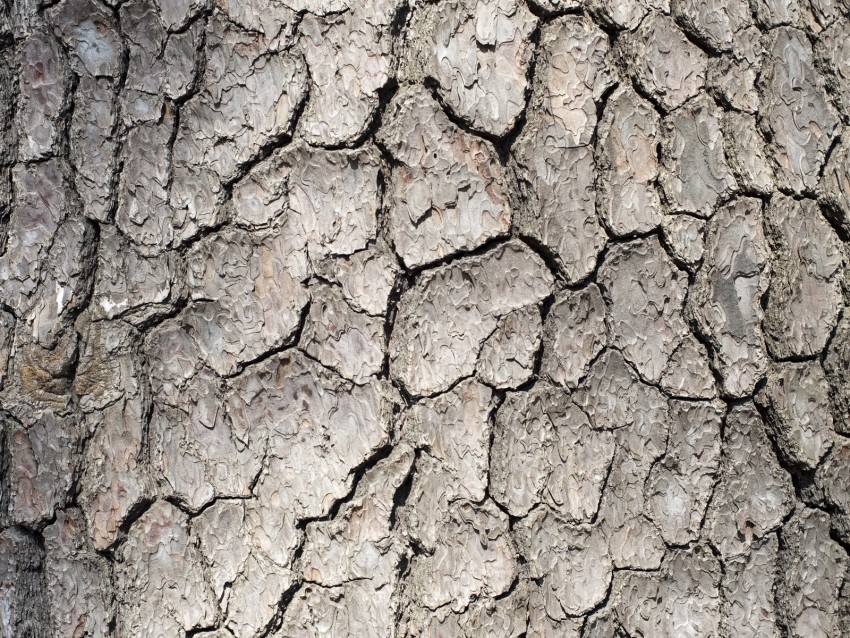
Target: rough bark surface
x,y
444,318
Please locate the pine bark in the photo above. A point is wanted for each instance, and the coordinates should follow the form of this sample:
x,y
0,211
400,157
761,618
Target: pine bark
x,y
446,318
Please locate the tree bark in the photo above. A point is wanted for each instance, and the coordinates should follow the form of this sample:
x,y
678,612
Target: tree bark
x,y
447,318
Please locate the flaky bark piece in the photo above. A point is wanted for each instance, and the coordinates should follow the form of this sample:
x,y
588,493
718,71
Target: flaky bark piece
x,y
695,175
176,14
454,432
367,277
581,464
44,78
523,439
246,299
315,429
613,396
804,298
572,562
541,625
111,387
273,515
350,342
249,98
130,285
772,13
247,585
152,216
545,450
684,238
274,19
160,65
554,163
615,399
42,460
223,543
689,374
324,203
813,571
92,35
39,207
351,563
269,400
448,192
478,52
560,208
193,443
78,580
191,438
95,151
115,481
716,22
645,292
477,537
359,543
7,332
65,280
455,428
796,400
508,355
575,71
745,151
680,486
445,318
754,493
335,196
835,365
748,586
725,301
628,200
621,14
800,121
682,599
650,50
160,580
556,6
824,13
349,58
574,335
505,617
732,76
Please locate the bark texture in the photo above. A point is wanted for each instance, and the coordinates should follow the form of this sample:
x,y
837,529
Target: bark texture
x,y
443,318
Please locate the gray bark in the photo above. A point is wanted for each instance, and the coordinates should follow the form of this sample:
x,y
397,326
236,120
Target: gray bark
x,y
447,318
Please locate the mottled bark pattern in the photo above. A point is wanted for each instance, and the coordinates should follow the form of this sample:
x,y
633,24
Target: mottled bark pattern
x,y
424,318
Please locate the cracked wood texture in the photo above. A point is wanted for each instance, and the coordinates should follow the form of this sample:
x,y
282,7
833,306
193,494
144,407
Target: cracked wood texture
x,y
424,318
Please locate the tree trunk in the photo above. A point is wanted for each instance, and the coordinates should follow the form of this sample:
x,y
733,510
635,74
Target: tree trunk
x,y
447,318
